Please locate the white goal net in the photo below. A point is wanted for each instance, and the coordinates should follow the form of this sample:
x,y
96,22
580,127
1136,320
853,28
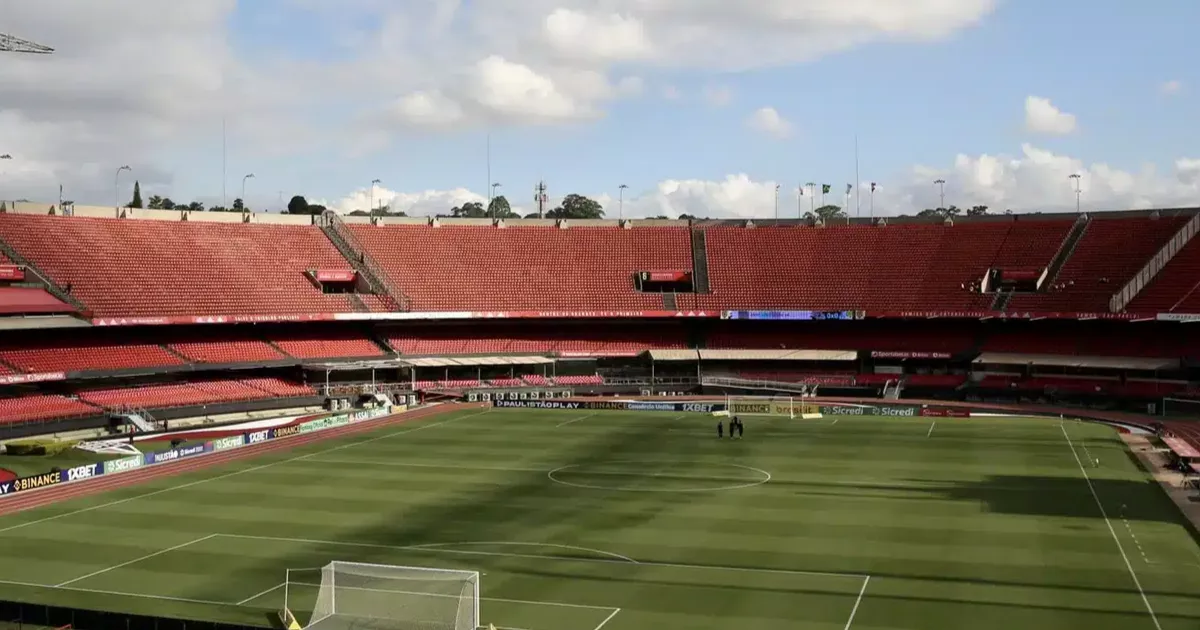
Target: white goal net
x,y
355,595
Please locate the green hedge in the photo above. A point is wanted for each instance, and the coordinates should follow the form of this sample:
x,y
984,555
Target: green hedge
x,y
38,447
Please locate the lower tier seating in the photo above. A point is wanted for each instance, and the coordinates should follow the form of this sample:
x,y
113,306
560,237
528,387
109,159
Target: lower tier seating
x,y
182,394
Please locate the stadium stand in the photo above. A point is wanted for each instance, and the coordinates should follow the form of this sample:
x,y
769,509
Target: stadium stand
x,y
76,352
165,396
222,346
325,344
1176,287
614,340
461,268
898,267
36,408
945,336
121,267
1110,252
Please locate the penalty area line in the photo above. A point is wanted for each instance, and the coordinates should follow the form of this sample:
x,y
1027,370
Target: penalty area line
x,y
931,425
857,602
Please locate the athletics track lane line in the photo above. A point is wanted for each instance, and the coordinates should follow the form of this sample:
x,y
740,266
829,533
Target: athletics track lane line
x,y
55,494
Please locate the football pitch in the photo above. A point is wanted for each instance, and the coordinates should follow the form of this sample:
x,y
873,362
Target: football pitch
x,y
582,520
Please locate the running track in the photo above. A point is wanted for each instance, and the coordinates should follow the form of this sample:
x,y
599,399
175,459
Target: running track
x,y
32,499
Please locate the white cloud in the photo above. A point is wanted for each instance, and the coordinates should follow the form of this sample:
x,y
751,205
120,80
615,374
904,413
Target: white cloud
x,y
768,121
1041,116
1171,87
596,37
671,93
422,203
1035,180
717,95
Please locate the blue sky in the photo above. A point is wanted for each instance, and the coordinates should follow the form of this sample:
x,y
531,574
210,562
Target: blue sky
x,y
322,97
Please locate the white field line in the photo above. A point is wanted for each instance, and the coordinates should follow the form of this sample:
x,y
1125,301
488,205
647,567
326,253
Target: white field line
x,y
931,425
834,421
260,594
607,619
563,424
134,561
647,563
238,472
1111,530
116,593
854,611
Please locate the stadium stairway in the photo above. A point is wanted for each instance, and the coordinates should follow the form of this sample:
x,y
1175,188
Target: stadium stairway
x,y
1167,286
1067,248
700,262
40,277
347,243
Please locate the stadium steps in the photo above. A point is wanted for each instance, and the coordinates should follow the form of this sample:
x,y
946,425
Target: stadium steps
x,y
344,240
359,305
277,348
1000,302
1066,249
700,262
1146,275
175,353
42,278
669,302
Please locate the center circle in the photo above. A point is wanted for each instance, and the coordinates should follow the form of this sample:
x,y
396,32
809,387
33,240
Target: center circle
x,y
659,476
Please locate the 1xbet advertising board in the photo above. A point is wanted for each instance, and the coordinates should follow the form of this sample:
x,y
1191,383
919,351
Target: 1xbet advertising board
x,y
52,478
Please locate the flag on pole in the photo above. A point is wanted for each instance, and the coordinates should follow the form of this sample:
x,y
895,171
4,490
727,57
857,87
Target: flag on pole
x,y
801,190
825,189
849,187
872,186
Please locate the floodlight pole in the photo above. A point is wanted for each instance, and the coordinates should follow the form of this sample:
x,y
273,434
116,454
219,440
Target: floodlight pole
x,y
244,178
1078,189
776,202
621,202
941,184
490,207
117,185
374,183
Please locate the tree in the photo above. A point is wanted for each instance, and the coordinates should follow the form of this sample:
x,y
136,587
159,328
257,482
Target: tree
x,y
238,205
663,216
195,206
155,202
944,213
220,209
298,205
499,208
977,211
577,207
826,213
316,208
167,204
136,202
469,210
684,217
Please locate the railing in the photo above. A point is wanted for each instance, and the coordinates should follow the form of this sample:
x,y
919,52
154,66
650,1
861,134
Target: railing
x,y
48,284
745,383
1147,273
352,249
1066,249
700,262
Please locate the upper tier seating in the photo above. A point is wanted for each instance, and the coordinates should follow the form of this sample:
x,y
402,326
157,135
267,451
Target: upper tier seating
x,y
1108,255
566,339
33,408
455,268
146,268
1176,288
280,388
898,267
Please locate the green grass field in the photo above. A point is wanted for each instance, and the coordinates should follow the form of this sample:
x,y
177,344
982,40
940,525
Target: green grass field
x,y
646,521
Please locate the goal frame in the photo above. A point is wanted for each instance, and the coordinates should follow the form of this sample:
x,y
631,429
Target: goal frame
x,y
472,576
776,407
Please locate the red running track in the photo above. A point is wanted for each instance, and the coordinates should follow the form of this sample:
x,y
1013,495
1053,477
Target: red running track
x,y
31,499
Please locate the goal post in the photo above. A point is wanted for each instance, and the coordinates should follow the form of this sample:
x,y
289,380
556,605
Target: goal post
x,y
778,406
363,596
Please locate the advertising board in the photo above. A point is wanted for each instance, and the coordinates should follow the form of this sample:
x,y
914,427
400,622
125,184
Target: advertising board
x,y
123,464
177,453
